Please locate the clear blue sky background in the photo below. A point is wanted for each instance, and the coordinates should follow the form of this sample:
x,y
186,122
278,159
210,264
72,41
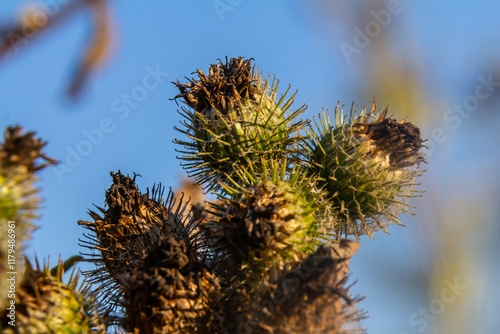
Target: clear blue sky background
x,y
290,38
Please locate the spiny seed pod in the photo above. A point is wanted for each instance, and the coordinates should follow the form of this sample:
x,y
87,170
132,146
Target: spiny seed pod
x,y
273,218
131,227
44,304
23,150
235,118
171,292
310,297
20,155
367,165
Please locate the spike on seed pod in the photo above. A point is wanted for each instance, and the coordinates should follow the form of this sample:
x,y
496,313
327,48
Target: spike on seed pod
x,y
368,165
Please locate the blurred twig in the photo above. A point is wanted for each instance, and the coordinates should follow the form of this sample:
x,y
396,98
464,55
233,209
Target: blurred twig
x,y
28,29
97,49
37,20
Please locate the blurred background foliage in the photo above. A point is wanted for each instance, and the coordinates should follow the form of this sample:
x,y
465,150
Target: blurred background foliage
x,y
76,63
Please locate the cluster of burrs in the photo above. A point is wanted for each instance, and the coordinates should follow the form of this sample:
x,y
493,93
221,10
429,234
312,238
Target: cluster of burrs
x,y
271,252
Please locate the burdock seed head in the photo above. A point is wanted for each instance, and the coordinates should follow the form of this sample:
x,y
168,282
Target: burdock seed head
x,y
264,223
272,219
23,150
171,292
311,297
21,157
45,304
368,165
234,117
129,230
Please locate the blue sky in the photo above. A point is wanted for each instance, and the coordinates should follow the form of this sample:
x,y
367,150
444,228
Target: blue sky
x,y
172,38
